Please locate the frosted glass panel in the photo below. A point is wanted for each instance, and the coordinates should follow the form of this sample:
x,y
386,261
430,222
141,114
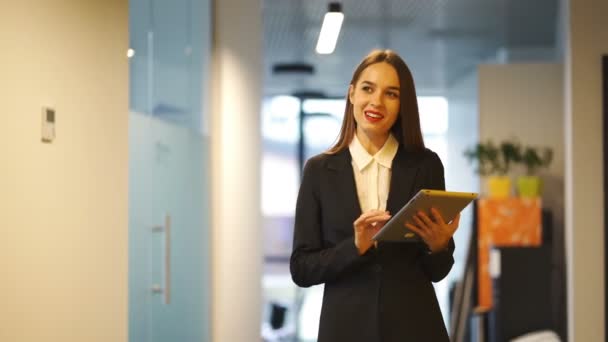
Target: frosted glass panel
x,y
169,69
168,171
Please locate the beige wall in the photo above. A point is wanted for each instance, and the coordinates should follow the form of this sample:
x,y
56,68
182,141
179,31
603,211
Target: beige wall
x,y
586,41
63,222
525,102
237,242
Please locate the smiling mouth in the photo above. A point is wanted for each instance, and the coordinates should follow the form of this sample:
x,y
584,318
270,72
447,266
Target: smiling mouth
x,y
373,116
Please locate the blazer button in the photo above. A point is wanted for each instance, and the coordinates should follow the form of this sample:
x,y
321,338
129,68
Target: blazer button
x,y
377,268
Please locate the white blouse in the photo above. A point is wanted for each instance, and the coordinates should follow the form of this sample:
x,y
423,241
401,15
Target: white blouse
x,y
373,173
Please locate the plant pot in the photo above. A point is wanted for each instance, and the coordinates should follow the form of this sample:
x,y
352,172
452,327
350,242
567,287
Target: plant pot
x,y
529,186
499,186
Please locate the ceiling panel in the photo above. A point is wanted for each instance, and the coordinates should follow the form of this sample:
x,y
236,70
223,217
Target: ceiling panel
x,y
440,40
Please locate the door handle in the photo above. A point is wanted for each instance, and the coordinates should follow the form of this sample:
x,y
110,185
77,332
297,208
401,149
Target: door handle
x,y
165,288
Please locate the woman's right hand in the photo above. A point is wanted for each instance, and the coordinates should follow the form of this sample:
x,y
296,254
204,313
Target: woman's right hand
x,y
366,226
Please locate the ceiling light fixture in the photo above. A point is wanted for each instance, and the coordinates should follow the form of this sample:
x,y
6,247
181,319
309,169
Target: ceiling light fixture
x,y
330,29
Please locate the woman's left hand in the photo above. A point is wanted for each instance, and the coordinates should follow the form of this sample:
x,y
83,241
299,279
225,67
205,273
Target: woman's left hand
x,y
435,232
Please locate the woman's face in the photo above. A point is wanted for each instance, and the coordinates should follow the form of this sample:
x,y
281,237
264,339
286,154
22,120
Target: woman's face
x,y
375,99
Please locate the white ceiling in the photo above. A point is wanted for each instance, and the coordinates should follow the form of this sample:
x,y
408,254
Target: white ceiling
x,y
441,40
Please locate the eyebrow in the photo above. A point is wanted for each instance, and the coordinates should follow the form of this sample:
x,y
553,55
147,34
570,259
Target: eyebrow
x,y
374,84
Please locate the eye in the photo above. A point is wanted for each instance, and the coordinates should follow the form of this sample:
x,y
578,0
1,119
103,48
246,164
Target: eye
x,y
366,89
393,94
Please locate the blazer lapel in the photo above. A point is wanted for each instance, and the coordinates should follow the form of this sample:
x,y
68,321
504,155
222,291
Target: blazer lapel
x,y
344,180
405,169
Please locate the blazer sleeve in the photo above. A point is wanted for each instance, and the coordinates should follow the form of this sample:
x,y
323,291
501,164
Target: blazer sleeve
x,y
437,265
311,262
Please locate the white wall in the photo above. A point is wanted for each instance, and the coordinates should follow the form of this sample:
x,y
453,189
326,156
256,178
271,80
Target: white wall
x,y
63,251
524,101
586,41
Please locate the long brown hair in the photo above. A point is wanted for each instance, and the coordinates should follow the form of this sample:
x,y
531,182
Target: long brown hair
x,y
407,127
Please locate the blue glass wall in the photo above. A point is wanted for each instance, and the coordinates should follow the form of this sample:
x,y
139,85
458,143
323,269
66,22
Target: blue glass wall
x,y
169,265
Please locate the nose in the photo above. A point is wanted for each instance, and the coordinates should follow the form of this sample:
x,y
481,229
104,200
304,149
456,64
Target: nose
x,y
377,99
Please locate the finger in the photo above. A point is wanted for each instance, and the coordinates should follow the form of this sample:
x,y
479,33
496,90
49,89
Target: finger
x,y
377,219
455,222
372,227
375,224
377,214
370,213
416,230
425,218
373,213
381,224
376,229
437,216
358,221
367,214
420,223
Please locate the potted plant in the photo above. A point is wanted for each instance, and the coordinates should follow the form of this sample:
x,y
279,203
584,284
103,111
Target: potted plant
x,y
486,157
534,159
494,162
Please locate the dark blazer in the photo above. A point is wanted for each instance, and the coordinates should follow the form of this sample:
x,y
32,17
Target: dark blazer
x,y
386,294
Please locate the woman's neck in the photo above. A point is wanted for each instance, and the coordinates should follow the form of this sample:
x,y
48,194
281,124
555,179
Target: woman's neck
x,y
371,144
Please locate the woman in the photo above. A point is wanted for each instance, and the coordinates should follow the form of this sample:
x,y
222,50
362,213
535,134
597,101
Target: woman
x,y
373,291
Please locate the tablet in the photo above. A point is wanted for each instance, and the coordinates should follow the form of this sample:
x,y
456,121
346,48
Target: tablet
x,y
449,204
